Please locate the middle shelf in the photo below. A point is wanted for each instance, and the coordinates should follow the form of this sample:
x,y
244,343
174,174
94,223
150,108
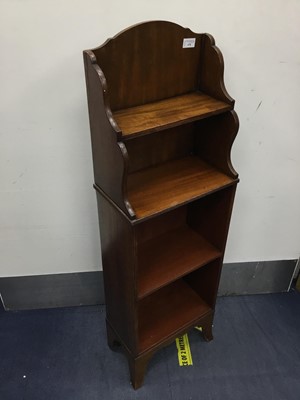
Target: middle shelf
x,y
166,186
176,254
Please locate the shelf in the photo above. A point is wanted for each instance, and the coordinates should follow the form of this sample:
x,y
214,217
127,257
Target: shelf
x,y
168,311
171,184
167,113
170,256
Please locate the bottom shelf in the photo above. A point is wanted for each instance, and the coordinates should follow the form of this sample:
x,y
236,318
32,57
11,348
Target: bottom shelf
x,y
168,311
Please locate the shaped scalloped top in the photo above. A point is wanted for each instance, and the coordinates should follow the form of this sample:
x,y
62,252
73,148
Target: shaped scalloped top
x,y
148,62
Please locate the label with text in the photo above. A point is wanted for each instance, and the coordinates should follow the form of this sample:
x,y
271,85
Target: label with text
x,y
189,43
184,351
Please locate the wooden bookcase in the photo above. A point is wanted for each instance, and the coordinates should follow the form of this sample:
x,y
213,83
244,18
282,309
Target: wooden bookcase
x,y
162,127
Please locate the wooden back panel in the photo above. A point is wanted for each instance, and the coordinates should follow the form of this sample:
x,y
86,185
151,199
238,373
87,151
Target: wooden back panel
x,y
147,62
150,150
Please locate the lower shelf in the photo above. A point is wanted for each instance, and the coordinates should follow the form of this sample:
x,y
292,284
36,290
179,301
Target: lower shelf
x,y
168,311
170,256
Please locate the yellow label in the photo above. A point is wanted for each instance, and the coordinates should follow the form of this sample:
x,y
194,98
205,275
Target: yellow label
x,y
184,351
199,328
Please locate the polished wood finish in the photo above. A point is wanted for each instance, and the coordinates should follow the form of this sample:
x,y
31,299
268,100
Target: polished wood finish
x,y
162,127
109,171
177,253
172,184
205,145
168,311
158,148
210,216
147,63
163,114
118,271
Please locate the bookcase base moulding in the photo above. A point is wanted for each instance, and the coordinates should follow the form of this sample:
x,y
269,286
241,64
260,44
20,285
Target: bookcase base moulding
x,y
162,127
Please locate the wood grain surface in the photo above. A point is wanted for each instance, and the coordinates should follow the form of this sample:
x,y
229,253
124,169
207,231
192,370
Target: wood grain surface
x,y
171,184
167,311
167,113
176,253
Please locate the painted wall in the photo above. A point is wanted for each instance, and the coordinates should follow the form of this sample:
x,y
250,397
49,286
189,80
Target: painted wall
x,y
48,207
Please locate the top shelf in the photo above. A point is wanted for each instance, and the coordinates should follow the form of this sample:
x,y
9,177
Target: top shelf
x,y
153,117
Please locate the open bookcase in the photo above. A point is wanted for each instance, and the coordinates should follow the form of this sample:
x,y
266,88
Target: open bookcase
x,y
162,127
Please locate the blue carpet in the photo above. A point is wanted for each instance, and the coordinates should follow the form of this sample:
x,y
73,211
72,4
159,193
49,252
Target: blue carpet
x,y
61,354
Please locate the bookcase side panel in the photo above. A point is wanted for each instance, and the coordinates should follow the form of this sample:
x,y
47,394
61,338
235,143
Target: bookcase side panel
x,y
214,138
205,281
211,216
119,259
109,171
212,70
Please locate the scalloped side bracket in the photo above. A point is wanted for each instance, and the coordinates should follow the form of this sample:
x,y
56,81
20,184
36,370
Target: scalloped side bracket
x,y
211,76
110,171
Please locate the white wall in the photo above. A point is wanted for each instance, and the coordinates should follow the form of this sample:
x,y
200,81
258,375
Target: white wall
x,y
48,208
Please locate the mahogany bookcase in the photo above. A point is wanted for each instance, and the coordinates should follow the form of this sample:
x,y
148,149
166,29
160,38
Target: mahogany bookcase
x,y
162,126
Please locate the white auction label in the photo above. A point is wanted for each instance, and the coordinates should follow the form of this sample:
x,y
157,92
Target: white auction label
x,y
188,43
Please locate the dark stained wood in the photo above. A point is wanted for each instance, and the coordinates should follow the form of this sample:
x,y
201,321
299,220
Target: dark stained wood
x,y
211,73
109,171
177,253
147,63
150,150
137,367
151,228
168,311
162,126
222,130
163,114
210,216
137,364
134,69
205,281
207,325
169,185
212,219
118,260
